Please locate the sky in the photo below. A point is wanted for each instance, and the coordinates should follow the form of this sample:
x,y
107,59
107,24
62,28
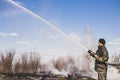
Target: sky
x,y
84,20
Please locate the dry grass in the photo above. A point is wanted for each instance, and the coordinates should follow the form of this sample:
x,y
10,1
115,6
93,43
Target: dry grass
x,y
6,61
34,62
28,63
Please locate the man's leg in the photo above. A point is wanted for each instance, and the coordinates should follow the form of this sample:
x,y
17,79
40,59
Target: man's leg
x,y
102,76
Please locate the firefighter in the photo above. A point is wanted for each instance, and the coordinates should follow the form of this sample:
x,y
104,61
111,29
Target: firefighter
x,y
101,57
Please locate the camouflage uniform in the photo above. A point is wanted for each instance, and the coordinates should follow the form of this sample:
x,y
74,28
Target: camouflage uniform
x,y
101,57
100,65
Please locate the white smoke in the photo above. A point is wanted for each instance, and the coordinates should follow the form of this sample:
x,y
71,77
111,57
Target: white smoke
x,y
113,74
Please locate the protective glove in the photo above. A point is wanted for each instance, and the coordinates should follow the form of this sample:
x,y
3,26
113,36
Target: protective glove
x,y
96,56
99,58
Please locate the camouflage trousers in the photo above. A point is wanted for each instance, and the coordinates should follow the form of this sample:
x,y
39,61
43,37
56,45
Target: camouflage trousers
x,y
102,75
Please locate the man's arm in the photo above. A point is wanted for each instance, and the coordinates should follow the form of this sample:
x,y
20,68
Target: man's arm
x,y
105,56
101,59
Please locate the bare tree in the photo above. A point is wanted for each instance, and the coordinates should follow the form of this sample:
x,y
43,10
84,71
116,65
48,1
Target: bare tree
x,y
34,62
6,61
24,63
29,63
17,66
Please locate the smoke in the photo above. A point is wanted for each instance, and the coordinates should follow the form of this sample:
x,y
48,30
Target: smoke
x,y
76,59
113,74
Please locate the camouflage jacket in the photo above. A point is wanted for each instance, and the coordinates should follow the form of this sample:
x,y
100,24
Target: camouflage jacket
x,y
100,62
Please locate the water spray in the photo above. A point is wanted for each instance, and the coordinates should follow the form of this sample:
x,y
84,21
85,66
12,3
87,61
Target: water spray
x,y
46,22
